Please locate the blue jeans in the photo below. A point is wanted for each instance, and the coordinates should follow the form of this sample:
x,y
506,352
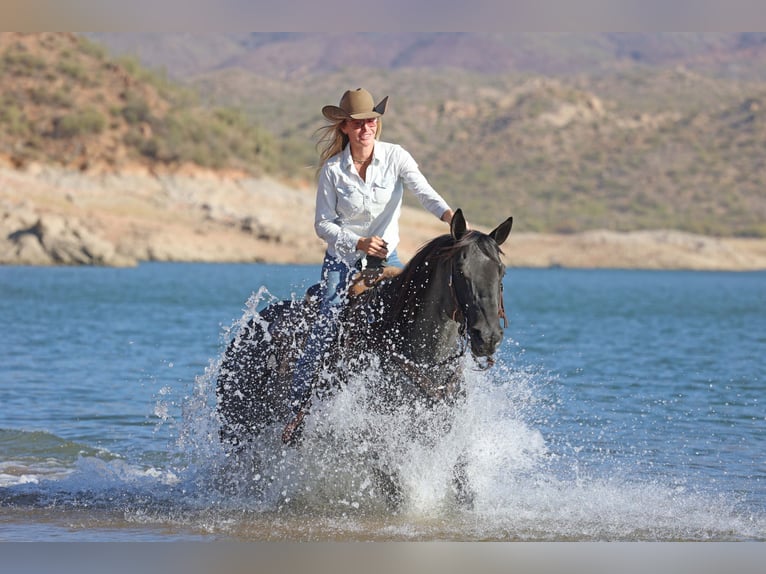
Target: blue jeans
x,y
333,292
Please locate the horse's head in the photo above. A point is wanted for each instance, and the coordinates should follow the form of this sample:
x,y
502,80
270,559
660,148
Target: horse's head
x,y
477,281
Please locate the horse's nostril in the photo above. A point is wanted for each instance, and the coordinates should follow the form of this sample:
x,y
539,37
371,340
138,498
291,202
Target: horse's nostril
x,y
485,340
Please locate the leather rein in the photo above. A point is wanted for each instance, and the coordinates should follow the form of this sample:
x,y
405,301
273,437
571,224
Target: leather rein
x,y
463,323
417,371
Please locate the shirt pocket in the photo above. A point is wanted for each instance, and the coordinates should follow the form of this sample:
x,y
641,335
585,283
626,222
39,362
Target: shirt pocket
x,y
382,191
350,201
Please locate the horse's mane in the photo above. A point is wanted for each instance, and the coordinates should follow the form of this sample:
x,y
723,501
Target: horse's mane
x,y
415,274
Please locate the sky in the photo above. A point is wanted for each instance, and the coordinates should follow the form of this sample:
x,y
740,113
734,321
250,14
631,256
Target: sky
x,y
383,15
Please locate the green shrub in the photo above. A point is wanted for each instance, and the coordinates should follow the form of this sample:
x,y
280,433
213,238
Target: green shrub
x,y
13,119
78,123
92,49
135,110
72,69
21,63
58,98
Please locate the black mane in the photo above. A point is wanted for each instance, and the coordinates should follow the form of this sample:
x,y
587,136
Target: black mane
x,y
416,272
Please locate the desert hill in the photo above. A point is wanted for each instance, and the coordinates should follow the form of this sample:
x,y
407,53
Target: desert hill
x,y
64,101
573,132
103,161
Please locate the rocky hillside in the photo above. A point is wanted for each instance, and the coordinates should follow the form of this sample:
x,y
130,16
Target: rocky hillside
x,y
282,55
103,162
55,216
64,101
572,131
651,135
640,150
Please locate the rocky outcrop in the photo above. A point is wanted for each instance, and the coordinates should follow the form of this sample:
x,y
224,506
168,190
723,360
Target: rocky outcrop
x,y
52,216
56,216
30,238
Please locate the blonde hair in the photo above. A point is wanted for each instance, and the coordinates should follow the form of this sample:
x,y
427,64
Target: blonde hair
x,y
331,141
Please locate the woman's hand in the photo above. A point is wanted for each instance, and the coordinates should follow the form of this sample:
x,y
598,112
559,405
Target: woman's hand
x,y
374,246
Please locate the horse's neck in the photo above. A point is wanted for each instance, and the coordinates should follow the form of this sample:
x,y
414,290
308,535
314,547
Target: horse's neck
x,y
427,332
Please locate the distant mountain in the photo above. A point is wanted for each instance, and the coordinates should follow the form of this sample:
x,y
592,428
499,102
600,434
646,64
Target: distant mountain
x,y
289,55
569,132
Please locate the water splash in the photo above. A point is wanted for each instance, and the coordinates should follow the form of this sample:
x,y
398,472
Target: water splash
x,y
526,487
353,453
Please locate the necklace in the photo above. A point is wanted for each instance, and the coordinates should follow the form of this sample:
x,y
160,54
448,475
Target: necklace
x,y
365,160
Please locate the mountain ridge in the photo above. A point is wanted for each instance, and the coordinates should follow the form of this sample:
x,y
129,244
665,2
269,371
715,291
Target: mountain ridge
x,y
631,146
280,55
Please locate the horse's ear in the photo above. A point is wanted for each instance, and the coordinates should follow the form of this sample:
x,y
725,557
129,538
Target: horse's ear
x,y
458,226
501,232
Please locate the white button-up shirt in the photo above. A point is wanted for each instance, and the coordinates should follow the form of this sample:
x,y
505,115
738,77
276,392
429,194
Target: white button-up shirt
x,y
349,208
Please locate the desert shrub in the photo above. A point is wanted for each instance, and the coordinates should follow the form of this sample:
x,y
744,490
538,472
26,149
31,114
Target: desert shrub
x,y
21,63
57,98
135,110
92,49
80,122
13,119
72,69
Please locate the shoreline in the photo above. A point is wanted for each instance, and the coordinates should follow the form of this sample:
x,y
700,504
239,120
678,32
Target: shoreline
x,y
54,216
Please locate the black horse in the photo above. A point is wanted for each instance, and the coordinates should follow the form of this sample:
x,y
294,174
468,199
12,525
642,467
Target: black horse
x,y
415,327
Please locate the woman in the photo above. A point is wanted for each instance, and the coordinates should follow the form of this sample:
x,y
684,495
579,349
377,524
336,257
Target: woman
x,y
359,198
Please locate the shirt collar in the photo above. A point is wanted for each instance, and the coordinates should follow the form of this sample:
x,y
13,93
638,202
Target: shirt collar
x,y
349,161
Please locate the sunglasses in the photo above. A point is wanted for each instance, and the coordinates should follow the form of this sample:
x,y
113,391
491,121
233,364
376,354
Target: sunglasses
x,y
359,124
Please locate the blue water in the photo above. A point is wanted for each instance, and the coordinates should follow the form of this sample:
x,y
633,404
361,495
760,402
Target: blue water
x,y
625,405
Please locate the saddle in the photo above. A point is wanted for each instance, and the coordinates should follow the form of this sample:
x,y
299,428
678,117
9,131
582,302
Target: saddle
x,y
363,280
368,278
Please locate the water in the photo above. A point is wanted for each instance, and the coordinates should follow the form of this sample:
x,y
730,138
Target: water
x,y
625,405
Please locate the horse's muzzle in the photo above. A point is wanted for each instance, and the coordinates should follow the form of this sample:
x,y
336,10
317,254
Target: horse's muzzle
x,y
484,342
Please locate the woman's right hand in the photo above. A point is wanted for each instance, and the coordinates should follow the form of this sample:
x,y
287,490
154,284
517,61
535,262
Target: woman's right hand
x,y
374,246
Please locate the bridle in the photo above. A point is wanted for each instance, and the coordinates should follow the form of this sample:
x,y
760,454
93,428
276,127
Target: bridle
x,y
501,311
420,373
463,321
458,307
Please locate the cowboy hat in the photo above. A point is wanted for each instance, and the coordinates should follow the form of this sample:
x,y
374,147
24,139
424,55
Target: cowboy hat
x,y
355,105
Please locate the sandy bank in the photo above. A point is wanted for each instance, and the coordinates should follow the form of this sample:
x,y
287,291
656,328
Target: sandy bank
x,y
51,216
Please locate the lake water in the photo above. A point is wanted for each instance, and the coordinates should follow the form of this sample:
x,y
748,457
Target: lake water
x,y
624,405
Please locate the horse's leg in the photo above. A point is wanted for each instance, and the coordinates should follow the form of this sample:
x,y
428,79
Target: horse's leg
x,y
388,485
464,493
252,388
240,379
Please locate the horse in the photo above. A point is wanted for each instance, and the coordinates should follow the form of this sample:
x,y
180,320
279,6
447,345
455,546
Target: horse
x,y
415,327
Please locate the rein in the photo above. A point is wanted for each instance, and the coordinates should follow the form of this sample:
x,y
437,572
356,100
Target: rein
x,y
500,312
419,373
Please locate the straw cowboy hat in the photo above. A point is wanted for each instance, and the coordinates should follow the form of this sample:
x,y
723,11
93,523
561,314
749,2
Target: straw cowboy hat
x,y
355,105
